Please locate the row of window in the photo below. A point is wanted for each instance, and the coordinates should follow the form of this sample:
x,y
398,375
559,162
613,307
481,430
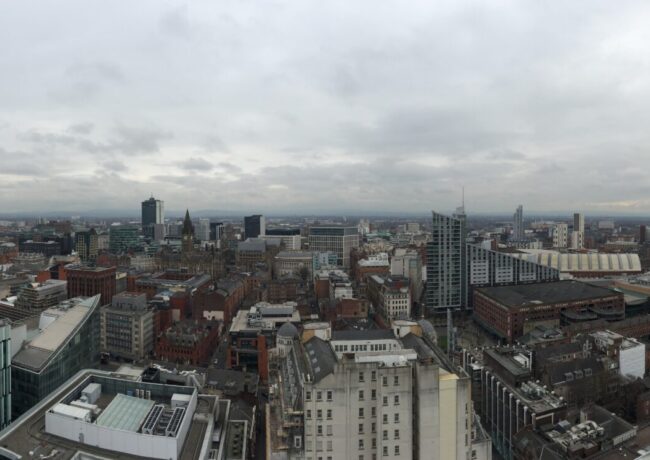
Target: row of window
x,y
373,456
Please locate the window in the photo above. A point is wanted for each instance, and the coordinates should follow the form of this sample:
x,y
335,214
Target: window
x,y
384,381
360,444
329,447
329,413
396,418
319,396
361,412
385,418
396,380
361,395
373,376
329,430
373,411
373,394
374,443
319,430
361,377
308,413
319,414
308,395
385,399
396,450
329,395
361,457
373,427
385,452
385,435
360,428
396,434
397,400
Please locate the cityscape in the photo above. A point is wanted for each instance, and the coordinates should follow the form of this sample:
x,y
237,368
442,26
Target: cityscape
x,y
342,230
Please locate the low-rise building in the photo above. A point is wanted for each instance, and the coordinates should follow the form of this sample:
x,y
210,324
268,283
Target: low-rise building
x,y
391,296
511,311
189,342
39,296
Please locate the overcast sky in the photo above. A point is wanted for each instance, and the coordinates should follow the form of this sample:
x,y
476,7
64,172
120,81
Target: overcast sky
x,y
278,106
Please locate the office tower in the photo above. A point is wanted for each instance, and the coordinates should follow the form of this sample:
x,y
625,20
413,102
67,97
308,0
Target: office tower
x,y
337,239
254,226
153,212
643,233
127,327
518,224
68,342
560,235
203,230
187,235
5,373
216,231
86,245
122,238
446,264
90,281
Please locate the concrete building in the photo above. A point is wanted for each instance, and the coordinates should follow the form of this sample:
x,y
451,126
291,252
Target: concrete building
x,y
367,395
253,332
408,264
486,267
39,296
290,242
102,415
127,327
337,239
291,262
86,281
203,230
578,233
153,214
254,226
5,373
518,231
47,248
512,311
68,341
86,245
255,251
560,235
446,263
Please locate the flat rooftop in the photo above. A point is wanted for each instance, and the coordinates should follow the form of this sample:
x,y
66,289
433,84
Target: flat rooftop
x,y
545,293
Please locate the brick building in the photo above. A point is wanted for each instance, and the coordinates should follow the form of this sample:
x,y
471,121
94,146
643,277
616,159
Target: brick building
x,y
512,311
189,342
87,281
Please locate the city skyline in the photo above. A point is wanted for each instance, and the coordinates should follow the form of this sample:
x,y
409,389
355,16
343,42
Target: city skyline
x,y
234,106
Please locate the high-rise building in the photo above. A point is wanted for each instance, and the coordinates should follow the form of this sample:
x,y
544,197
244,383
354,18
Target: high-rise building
x,y
5,373
90,281
578,233
122,238
68,342
337,239
518,224
254,226
187,235
446,262
643,234
560,236
153,212
203,230
216,231
86,245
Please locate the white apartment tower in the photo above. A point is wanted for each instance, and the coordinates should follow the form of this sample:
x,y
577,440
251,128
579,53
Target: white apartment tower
x,y
578,234
560,236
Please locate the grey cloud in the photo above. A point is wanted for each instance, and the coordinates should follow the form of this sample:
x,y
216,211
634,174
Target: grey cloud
x,y
214,143
114,165
81,128
196,164
176,21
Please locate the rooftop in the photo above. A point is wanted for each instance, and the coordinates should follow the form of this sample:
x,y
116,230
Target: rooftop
x,y
545,293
